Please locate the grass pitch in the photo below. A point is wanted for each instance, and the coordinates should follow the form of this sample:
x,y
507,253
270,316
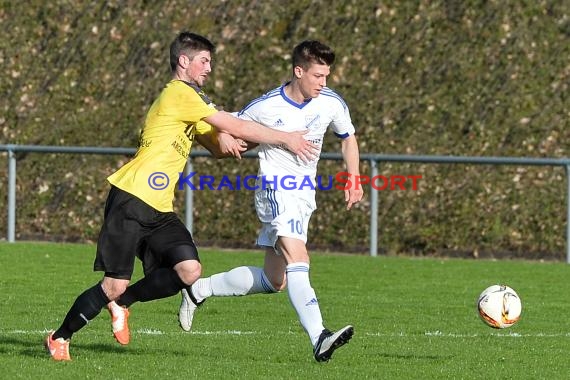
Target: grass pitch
x,y
414,319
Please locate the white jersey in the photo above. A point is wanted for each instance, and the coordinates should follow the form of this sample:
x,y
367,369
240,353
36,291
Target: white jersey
x,y
275,110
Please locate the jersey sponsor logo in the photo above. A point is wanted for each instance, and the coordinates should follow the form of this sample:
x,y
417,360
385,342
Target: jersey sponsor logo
x,y
316,141
311,120
181,150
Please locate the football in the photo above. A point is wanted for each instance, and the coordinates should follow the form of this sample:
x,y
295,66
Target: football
x,y
499,306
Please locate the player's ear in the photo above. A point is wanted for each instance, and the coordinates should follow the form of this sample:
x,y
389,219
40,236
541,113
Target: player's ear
x,y
298,72
183,61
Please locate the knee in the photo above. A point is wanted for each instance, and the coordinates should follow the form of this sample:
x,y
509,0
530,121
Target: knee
x,y
113,288
189,271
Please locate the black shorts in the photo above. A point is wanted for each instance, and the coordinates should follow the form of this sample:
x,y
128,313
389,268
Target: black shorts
x,y
131,228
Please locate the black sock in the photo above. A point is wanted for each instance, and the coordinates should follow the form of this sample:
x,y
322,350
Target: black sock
x,y
86,307
160,283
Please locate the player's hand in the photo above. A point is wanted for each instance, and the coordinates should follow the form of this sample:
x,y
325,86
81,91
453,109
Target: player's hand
x,y
305,150
231,146
353,195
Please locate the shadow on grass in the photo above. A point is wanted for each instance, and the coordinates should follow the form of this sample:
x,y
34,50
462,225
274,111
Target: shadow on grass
x,y
33,347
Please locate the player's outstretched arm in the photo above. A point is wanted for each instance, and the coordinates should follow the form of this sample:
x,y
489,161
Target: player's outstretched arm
x,y
257,133
221,145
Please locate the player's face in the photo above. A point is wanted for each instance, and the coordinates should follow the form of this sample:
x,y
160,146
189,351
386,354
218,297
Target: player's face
x,y
198,68
312,80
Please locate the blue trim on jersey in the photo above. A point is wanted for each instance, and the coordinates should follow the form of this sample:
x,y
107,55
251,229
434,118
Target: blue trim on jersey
x,y
270,94
328,92
273,202
292,102
343,136
280,91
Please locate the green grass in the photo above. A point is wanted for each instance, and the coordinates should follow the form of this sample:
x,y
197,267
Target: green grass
x,y
414,319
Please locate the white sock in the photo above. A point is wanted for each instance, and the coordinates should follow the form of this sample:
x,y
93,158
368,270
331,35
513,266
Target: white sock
x,y
239,281
304,300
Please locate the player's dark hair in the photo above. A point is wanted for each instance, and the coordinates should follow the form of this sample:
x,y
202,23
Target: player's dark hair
x,y
188,44
311,51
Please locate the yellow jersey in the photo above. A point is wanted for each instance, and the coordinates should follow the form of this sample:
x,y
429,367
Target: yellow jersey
x,y
165,143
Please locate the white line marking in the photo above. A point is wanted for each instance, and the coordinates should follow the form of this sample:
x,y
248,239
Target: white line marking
x,y
431,334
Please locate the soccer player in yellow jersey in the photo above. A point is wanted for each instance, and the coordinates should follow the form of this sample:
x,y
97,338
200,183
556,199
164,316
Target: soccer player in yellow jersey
x,y
139,220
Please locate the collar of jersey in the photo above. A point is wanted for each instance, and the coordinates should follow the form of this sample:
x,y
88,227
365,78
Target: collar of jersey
x,y
292,102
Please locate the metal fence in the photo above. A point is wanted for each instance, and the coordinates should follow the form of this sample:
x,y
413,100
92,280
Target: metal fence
x,y
373,160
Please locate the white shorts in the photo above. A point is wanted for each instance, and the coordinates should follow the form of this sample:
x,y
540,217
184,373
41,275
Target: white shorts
x,y
282,213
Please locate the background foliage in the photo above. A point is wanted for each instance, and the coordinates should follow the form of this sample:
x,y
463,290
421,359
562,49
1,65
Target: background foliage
x,y
442,77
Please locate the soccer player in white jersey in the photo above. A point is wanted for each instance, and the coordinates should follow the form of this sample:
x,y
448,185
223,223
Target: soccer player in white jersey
x,y
304,103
